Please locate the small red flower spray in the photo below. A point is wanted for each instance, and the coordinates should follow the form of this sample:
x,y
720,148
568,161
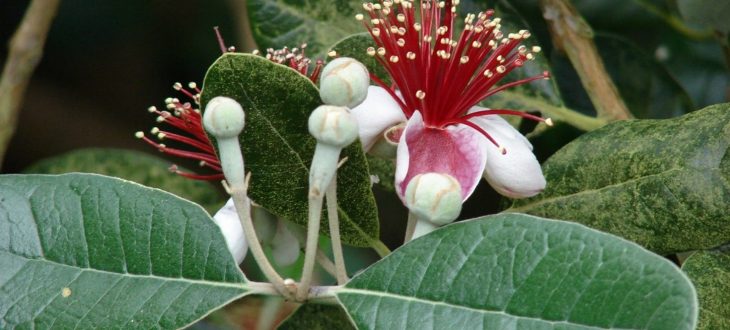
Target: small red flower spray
x,y
185,116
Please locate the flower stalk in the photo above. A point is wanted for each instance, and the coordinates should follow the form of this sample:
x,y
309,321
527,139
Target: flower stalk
x,y
224,118
334,224
574,36
334,128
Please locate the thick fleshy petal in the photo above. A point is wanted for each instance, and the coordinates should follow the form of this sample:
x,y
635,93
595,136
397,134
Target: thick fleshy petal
x,y
227,220
376,114
516,174
457,150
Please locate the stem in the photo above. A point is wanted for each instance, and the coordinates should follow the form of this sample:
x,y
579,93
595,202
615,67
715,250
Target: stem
x,y
675,22
243,208
572,117
326,263
317,294
240,15
334,222
25,52
574,36
323,295
310,251
410,228
380,248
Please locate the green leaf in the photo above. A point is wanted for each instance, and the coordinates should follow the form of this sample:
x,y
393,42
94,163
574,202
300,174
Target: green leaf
x,y
280,23
317,317
712,13
664,184
514,271
710,273
88,251
278,149
646,85
384,169
134,166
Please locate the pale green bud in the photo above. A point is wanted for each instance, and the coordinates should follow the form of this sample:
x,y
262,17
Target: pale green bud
x,y
333,125
344,82
223,117
434,197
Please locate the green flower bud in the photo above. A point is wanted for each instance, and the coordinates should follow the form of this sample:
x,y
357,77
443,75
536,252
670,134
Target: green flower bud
x,y
223,117
333,125
344,82
434,197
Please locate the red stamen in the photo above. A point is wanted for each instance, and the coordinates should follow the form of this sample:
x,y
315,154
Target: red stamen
x,y
221,43
437,74
187,119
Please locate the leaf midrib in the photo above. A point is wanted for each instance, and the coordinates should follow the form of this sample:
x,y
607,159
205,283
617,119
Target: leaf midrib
x,y
462,307
238,285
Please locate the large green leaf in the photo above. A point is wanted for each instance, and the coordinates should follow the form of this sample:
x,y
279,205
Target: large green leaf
x,y
317,317
278,149
514,271
664,184
134,166
88,251
279,23
710,273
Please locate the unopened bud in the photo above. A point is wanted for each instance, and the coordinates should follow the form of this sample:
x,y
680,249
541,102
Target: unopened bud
x,y
333,125
344,82
434,197
223,117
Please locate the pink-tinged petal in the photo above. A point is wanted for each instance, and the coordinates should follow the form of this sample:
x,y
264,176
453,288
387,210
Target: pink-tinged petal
x,y
376,114
517,173
457,150
227,220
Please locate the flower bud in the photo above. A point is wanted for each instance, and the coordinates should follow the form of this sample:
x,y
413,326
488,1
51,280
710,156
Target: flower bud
x,y
344,82
434,197
333,125
223,117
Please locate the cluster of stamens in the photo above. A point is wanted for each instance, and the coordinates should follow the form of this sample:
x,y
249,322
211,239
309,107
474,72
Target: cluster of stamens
x,y
440,75
185,117
296,59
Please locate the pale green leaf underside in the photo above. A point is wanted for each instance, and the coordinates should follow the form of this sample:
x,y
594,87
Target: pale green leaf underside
x,y
514,271
88,251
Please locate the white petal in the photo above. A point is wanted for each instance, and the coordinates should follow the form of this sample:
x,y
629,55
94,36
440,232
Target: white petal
x,y
227,220
516,174
377,113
